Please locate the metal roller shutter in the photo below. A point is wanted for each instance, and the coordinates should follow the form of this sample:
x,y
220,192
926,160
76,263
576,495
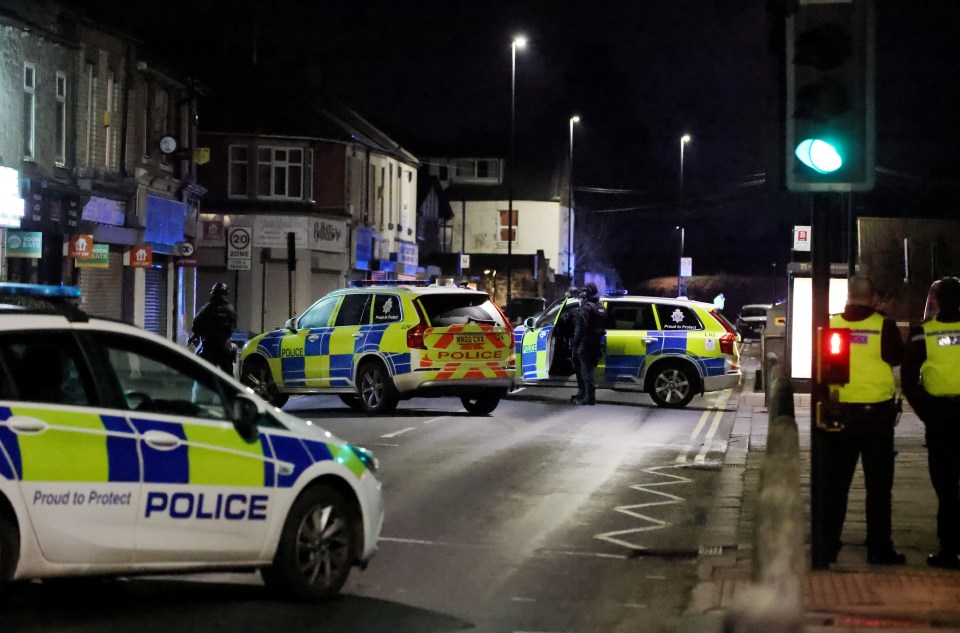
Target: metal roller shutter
x,y
323,282
101,289
277,306
155,301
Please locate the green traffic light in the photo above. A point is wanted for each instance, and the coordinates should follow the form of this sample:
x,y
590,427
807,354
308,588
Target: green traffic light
x,y
818,155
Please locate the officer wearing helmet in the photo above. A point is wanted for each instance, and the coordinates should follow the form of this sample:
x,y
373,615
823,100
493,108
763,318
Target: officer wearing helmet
x,y
588,341
212,328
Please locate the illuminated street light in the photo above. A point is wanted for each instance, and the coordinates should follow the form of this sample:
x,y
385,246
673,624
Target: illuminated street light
x,y
518,42
573,119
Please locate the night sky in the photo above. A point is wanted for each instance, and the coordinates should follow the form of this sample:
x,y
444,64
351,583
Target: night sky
x,y
436,77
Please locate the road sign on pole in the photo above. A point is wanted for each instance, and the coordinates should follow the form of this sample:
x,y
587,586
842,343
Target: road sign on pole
x,y
239,247
686,267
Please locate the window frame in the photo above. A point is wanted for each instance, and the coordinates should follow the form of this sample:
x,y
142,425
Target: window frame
x,y
286,164
69,342
30,126
60,150
374,305
637,305
503,221
368,301
231,161
316,306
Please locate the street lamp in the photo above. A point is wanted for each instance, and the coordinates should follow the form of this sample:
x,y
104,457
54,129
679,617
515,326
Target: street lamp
x,y
573,119
680,268
683,141
518,42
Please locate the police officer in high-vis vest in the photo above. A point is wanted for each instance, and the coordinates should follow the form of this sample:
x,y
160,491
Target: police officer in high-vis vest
x,y
867,415
931,382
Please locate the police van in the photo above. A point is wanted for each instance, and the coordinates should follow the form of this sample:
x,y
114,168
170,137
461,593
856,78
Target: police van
x,y
377,344
672,349
121,453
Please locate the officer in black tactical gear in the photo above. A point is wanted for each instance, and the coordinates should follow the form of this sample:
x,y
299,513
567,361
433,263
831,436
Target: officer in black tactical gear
x,y
212,328
588,340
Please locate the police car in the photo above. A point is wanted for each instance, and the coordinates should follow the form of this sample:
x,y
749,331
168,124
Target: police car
x,y
375,345
672,349
121,453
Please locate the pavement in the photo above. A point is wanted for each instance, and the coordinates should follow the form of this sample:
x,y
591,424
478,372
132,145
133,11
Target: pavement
x,y
851,595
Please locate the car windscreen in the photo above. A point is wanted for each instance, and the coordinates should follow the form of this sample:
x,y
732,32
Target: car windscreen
x,y
451,309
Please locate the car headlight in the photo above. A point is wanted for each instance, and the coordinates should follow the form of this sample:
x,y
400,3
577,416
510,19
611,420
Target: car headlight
x,y
367,457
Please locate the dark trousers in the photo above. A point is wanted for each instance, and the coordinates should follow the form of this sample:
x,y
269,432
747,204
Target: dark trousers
x,y
943,461
867,436
575,359
588,363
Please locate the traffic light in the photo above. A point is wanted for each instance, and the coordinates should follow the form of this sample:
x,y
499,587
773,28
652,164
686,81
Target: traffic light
x,y
834,365
830,96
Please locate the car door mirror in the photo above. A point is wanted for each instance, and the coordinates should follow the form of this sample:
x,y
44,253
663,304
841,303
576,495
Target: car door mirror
x,y
530,322
291,324
245,413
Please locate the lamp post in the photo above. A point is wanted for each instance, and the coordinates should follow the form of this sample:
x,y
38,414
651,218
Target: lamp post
x,y
680,264
683,141
573,119
518,42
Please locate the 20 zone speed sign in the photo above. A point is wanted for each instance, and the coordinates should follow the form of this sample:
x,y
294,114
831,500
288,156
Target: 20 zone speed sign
x,y
239,243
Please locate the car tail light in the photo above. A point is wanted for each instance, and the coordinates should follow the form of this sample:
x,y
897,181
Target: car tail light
x,y
415,334
729,340
507,325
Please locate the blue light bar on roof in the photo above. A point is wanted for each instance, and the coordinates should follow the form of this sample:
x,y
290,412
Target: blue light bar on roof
x,y
617,293
38,290
366,283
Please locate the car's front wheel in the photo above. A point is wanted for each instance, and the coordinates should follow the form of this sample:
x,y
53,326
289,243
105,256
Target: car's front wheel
x,y
9,550
375,388
482,404
316,548
256,375
352,401
673,384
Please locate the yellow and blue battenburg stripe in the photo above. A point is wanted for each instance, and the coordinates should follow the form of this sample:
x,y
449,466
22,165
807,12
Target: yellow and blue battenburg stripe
x,y
210,454
318,353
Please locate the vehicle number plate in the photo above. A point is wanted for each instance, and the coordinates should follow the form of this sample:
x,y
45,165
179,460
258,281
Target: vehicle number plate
x,y
471,339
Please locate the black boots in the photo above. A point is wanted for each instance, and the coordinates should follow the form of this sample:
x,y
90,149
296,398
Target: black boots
x,y
944,559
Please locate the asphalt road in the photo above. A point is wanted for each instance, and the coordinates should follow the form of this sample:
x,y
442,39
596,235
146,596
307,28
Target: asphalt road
x,y
540,517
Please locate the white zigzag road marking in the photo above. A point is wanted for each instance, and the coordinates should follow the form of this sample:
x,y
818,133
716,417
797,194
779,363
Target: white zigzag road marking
x,y
666,499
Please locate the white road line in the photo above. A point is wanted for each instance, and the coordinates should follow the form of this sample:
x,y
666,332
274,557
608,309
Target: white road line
x,y
702,455
586,554
400,432
682,457
383,444
519,599
410,541
432,420
631,510
518,390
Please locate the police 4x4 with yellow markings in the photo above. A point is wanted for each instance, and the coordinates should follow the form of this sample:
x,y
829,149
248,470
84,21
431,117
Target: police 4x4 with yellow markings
x,y
671,348
121,453
376,345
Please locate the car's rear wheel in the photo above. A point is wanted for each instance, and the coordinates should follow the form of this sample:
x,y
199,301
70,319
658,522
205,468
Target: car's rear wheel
x,y
256,375
316,548
673,384
351,401
375,388
482,404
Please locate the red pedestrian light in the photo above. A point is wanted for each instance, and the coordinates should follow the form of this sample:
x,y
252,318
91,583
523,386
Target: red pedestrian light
x,y
834,357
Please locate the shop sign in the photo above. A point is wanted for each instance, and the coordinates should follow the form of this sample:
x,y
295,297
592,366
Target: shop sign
x,y
464,261
328,235
139,257
104,211
408,255
99,259
80,246
270,231
211,233
28,244
165,220
364,248
12,207
187,257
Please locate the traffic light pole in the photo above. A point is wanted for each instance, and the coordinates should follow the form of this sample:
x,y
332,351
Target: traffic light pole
x,y
820,264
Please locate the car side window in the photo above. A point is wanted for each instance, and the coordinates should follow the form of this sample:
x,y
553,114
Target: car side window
x,y
673,317
386,309
44,367
631,316
319,314
550,316
354,310
158,380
